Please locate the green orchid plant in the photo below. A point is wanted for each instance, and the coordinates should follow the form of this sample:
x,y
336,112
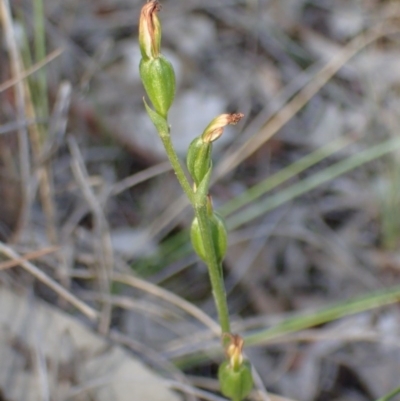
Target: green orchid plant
x,y
208,233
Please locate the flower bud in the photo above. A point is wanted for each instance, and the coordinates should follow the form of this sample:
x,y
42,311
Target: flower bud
x,y
218,235
234,375
198,159
150,30
238,384
158,79
156,71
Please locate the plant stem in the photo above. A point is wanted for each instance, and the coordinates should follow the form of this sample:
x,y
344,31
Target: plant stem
x,y
176,165
200,209
214,268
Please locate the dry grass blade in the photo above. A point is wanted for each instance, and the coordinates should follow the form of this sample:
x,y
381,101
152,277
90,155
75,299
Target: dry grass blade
x,y
28,256
88,311
25,74
169,297
137,178
160,293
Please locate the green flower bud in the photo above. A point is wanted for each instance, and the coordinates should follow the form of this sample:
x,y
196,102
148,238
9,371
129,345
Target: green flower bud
x,y
234,375
158,79
235,384
218,235
198,159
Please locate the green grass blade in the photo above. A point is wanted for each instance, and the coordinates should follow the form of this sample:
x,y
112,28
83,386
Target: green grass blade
x,y
283,175
313,181
390,395
297,323
346,308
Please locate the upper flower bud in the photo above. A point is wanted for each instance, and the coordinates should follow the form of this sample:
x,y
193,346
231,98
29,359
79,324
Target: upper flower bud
x,y
156,71
216,127
150,30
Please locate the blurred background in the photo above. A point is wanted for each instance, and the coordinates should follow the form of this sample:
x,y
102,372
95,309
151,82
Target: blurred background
x,y
308,181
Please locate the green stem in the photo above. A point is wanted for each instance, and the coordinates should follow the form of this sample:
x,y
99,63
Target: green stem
x,y
200,209
176,165
214,269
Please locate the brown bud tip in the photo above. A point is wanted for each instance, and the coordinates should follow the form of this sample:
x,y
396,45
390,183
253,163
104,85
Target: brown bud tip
x,y
235,118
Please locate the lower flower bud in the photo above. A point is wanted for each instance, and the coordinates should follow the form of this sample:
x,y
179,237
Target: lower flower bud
x,y
218,236
235,384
